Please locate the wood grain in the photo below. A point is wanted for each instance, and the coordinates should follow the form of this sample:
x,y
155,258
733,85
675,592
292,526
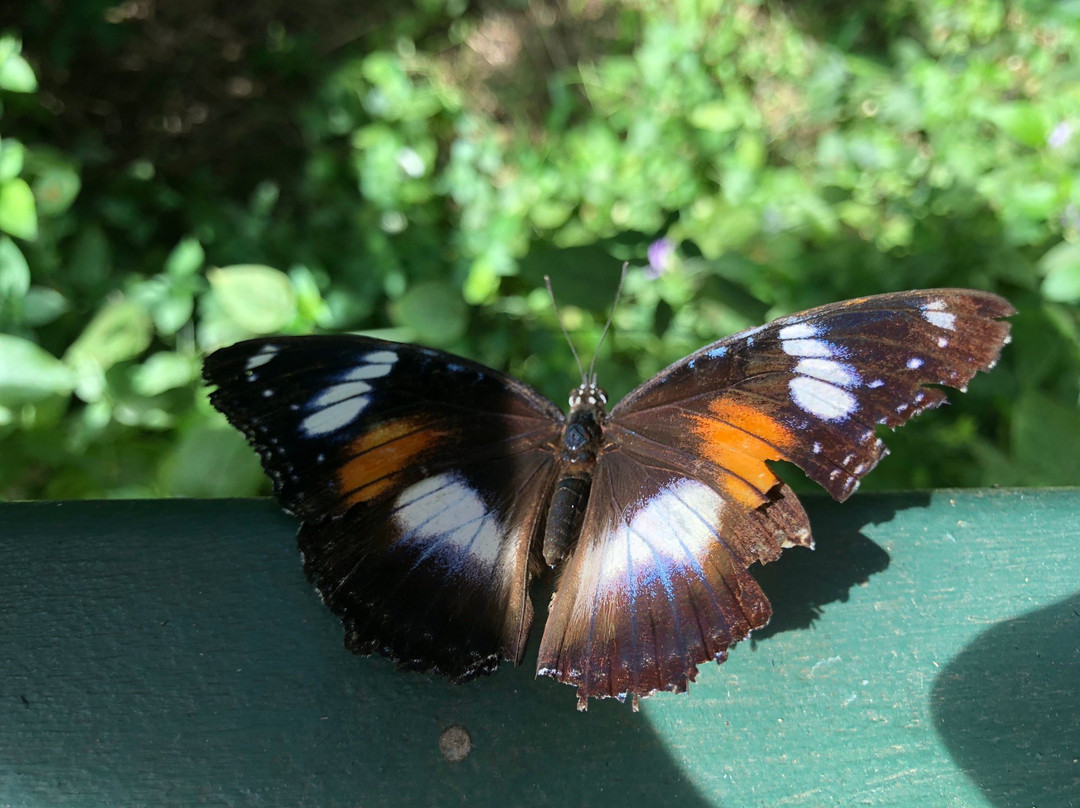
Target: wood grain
x,y
171,653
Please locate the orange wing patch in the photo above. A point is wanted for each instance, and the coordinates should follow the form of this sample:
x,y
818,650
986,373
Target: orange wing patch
x,y
740,439
381,454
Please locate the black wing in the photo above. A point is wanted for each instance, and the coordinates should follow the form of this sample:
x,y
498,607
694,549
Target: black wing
x,y
421,479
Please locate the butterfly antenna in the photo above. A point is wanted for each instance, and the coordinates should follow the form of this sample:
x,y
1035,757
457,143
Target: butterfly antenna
x,y
607,325
558,316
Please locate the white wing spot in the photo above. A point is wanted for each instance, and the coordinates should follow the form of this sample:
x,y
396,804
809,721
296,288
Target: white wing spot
x,y
914,363
381,358
942,319
797,331
817,447
822,399
677,517
828,371
264,355
942,342
876,383
446,511
334,417
366,372
807,347
936,304
339,392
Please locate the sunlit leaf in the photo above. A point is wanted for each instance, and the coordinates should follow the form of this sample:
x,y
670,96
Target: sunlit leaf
x,y
186,258
18,214
12,155
14,272
120,331
1023,121
258,298
29,373
715,116
16,75
1061,270
164,371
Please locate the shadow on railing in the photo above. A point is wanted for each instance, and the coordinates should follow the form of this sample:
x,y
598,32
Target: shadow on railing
x,y
1008,708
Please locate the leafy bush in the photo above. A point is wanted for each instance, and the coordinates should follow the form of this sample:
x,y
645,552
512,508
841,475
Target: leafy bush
x,y
180,182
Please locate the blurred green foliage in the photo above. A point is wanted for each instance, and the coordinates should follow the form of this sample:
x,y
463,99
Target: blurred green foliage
x,y
170,184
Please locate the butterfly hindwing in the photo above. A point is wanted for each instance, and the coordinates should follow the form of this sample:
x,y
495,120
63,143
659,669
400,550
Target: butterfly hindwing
x,y
659,582
421,479
436,576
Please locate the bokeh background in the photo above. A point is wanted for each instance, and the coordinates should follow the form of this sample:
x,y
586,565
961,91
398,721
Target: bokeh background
x,y
175,176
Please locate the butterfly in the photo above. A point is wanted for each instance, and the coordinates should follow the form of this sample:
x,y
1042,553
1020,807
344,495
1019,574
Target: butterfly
x,y
431,489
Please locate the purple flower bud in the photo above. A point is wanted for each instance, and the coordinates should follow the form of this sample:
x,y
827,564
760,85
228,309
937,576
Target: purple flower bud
x,y
1060,135
661,257
1070,217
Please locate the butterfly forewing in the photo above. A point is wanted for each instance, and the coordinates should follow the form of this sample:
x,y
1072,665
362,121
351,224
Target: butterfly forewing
x,y
421,479
812,388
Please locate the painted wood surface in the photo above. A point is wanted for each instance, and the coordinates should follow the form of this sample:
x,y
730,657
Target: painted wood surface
x,y
171,653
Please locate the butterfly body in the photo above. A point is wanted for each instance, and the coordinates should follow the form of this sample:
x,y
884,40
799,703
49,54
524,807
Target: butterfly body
x,y
432,489
580,445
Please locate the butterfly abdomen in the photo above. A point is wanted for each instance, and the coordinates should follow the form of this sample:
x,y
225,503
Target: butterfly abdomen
x,y
565,517
579,446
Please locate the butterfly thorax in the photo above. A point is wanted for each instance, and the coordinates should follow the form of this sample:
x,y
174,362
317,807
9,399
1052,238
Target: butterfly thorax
x,y
579,446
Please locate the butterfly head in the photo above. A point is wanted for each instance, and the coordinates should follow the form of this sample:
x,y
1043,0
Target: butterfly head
x,y
589,395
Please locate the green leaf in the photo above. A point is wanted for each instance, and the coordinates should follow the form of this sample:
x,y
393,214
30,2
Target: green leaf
x,y
173,310
56,187
43,305
14,271
1060,266
186,258
212,461
18,215
16,75
1022,121
1046,440
434,311
482,284
12,156
163,371
714,116
258,298
29,373
120,331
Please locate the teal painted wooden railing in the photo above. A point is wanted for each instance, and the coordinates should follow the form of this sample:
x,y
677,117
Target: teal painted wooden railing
x,y
171,653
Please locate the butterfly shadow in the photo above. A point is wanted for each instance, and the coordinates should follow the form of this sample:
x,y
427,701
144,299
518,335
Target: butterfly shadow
x,y
1008,708
802,582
